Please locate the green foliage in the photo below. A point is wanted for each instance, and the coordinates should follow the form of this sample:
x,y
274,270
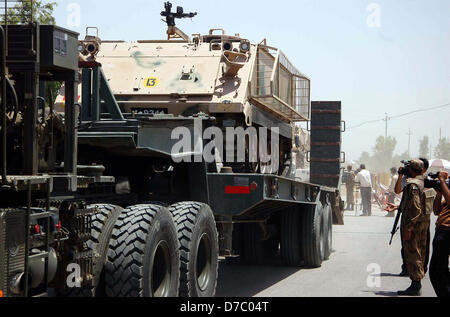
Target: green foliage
x,y
41,11
383,157
402,157
384,148
442,150
424,149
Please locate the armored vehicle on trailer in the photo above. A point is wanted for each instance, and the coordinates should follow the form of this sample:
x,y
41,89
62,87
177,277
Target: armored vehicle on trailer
x,y
93,200
241,84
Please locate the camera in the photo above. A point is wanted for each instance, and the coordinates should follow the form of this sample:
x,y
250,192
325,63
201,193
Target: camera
x,y
432,182
405,170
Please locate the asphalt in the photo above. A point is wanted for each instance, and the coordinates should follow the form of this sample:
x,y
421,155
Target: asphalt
x,y
362,265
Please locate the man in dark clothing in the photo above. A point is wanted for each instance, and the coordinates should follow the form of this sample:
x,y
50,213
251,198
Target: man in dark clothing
x,y
439,269
401,182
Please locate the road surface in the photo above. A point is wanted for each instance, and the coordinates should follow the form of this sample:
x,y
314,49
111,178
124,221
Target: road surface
x,y
362,265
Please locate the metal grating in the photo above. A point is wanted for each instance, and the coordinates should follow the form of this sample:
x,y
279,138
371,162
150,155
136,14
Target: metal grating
x,y
16,11
279,86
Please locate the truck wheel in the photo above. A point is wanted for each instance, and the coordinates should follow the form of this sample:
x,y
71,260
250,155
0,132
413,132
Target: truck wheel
x,y
143,257
199,249
102,226
328,236
252,244
290,237
271,248
312,234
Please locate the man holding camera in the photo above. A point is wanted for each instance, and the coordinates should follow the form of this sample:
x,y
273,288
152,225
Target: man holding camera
x,y
439,271
414,227
402,182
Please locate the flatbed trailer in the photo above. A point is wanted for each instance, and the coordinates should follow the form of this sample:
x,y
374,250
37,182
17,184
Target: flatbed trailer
x,y
92,202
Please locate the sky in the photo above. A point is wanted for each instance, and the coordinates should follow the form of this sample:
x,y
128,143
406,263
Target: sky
x,y
377,57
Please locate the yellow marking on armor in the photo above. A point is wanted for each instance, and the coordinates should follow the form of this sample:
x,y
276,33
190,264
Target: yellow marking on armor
x,y
151,82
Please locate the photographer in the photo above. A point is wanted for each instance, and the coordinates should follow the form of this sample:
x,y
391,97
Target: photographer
x,y
414,227
439,271
402,182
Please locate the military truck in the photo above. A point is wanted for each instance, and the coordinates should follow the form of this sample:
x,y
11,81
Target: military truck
x,y
94,200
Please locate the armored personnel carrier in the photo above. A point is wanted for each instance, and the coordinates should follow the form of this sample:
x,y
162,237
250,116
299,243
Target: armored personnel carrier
x,y
241,84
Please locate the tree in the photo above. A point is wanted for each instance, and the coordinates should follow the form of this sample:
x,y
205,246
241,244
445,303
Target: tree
x,y
442,150
398,158
22,11
42,13
366,159
383,153
424,149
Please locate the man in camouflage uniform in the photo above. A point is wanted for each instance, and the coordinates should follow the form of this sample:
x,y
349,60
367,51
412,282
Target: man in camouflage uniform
x,y
350,186
414,227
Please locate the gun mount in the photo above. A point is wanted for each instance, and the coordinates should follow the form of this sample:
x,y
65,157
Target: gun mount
x,y
173,31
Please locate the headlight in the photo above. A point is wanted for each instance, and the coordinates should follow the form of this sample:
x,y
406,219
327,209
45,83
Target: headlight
x,y
245,46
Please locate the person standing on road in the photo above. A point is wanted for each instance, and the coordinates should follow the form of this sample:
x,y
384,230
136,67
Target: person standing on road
x,y
350,187
439,269
414,228
365,180
402,181
428,211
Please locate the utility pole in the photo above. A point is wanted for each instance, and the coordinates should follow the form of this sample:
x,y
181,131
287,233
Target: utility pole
x,y
409,142
386,127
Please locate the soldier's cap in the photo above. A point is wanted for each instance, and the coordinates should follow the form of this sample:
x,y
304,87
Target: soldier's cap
x,y
417,165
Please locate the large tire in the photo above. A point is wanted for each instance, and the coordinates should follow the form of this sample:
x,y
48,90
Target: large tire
x,y
312,240
252,245
328,231
143,257
102,226
199,249
291,250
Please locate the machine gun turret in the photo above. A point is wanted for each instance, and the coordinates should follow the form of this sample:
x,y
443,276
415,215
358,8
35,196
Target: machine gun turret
x,y
173,31
171,16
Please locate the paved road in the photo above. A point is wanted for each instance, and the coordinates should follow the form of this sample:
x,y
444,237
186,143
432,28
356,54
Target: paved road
x,y
361,248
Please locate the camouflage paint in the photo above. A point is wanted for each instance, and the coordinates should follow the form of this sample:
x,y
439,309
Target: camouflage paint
x,y
143,61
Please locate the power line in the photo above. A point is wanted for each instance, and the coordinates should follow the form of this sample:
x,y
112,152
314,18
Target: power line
x,y
401,115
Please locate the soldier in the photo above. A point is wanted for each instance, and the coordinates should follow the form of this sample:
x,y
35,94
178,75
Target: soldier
x,y
350,186
414,227
430,194
402,181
